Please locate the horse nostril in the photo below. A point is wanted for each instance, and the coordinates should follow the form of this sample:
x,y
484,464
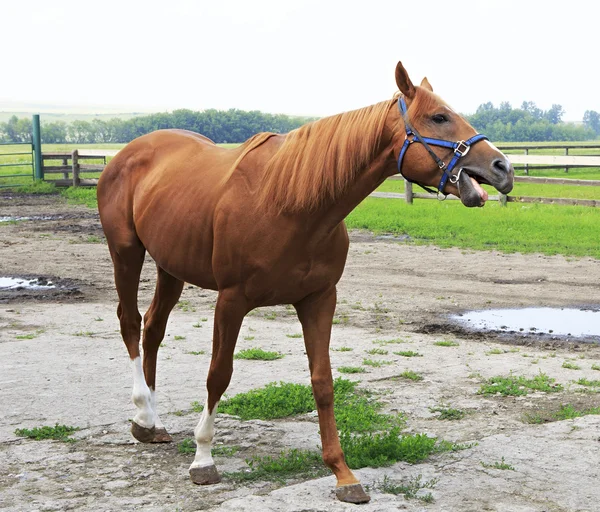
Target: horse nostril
x,y
500,164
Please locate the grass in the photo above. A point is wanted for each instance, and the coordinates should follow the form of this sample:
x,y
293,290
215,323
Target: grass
x,y
446,343
375,364
351,369
566,412
448,413
520,228
408,353
410,375
288,464
519,386
498,465
409,488
58,433
257,354
377,351
571,366
588,383
342,349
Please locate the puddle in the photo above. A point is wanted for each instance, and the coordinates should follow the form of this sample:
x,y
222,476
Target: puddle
x,y
19,283
560,322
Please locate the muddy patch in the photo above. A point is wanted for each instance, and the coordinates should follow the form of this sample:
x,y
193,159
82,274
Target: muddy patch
x,y
38,288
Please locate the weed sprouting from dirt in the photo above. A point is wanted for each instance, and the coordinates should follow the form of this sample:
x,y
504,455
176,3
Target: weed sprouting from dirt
x,y
288,464
58,433
571,366
257,354
519,386
498,465
408,353
448,413
351,369
409,488
410,375
446,343
377,351
566,412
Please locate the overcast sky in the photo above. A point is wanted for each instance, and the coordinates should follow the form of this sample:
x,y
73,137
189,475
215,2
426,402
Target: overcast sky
x,y
308,57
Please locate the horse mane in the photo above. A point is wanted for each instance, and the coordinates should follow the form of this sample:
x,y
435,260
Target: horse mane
x,y
317,161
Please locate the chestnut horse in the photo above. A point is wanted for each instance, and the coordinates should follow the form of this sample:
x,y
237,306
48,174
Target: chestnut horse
x,y
263,224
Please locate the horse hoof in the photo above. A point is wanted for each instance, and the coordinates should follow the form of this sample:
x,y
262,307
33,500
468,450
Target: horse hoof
x,y
205,475
353,493
142,434
161,436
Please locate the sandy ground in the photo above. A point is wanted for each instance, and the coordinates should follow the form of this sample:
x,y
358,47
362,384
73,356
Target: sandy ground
x,y
62,361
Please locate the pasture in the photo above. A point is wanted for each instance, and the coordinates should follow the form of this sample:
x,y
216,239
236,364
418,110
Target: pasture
x,y
62,362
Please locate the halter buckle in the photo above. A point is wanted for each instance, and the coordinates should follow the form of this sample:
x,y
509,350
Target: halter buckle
x,y
461,149
441,196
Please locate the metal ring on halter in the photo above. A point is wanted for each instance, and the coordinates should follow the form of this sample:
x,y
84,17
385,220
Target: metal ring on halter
x,y
455,177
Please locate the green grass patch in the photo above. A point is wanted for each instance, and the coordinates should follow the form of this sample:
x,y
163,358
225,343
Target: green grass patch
x,y
377,351
297,335
566,412
409,488
288,464
385,448
571,366
519,386
517,228
197,352
342,349
410,375
375,364
389,342
351,369
448,413
502,464
408,353
446,343
588,383
57,432
257,354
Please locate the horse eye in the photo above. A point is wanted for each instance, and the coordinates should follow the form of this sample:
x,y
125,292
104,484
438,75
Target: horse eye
x,y
439,118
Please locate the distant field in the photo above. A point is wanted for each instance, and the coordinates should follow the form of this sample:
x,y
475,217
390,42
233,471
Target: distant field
x,y
67,118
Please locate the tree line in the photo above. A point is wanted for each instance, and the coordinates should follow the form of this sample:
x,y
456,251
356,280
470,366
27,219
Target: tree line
x,y
502,124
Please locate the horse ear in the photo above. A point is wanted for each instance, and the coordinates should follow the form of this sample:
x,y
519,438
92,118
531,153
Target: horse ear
x,y
403,82
426,85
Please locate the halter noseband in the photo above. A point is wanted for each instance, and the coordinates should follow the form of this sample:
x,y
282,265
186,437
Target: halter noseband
x,y
460,149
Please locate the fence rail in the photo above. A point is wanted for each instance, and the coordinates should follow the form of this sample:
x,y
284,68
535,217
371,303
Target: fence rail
x,y
72,175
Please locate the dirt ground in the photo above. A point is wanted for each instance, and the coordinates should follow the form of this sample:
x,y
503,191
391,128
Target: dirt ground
x,y
62,361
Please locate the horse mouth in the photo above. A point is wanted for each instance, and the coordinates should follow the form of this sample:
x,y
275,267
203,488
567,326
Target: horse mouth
x,y
470,189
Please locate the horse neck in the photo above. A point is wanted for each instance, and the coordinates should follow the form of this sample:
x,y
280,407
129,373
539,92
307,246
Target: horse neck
x,y
382,166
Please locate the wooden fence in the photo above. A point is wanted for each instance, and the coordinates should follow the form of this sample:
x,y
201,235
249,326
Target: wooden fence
x,y
78,166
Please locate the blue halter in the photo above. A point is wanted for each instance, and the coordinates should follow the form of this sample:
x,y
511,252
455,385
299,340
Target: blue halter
x,y
460,149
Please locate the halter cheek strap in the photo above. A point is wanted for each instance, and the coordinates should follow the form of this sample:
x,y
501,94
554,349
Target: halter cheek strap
x,y
459,148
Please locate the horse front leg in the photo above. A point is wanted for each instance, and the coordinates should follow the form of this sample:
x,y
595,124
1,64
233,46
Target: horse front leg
x,y
316,316
229,314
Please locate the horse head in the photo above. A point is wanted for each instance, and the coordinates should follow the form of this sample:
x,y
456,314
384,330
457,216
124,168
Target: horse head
x,y
438,148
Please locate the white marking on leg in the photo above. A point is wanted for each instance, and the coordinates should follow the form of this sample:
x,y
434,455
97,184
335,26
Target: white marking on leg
x,y
141,396
157,422
204,433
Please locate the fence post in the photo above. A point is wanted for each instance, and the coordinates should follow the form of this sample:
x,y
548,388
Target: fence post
x,y
566,153
75,164
502,199
408,193
527,165
36,140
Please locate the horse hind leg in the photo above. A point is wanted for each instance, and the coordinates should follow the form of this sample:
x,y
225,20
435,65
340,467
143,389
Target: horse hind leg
x,y
128,258
167,293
